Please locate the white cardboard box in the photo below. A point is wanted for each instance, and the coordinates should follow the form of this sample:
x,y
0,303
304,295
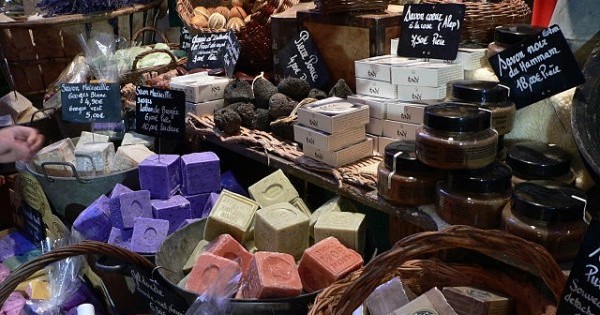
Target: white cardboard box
x,y
357,116
383,142
376,104
399,130
427,74
204,108
419,93
468,58
379,68
376,88
328,142
341,157
403,111
375,140
199,87
375,126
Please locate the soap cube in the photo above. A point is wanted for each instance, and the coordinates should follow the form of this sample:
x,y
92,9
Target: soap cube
x,y
281,228
119,237
87,137
473,301
301,205
161,175
212,272
347,227
148,234
119,189
227,247
432,301
326,262
175,210
335,204
130,156
94,222
198,250
126,206
131,138
271,275
94,159
14,304
197,204
231,183
232,214
387,298
201,173
273,189
60,151
210,203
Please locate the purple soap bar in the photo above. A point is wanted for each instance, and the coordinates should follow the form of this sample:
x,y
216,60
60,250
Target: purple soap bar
x,y
13,304
4,272
229,182
188,221
94,222
161,175
119,189
126,206
15,244
148,234
120,237
175,210
210,203
200,173
197,203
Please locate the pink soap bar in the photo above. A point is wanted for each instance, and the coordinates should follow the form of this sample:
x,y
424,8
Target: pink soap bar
x,y
4,272
13,305
271,275
211,272
326,262
228,247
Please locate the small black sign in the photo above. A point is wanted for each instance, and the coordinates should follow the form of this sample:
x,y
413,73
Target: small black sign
x,y
34,225
91,102
160,299
214,50
160,112
185,40
300,59
537,68
431,30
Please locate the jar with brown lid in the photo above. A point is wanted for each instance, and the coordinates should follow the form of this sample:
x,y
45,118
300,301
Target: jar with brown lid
x,y
456,136
538,160
402,179
508,35
474,197
549,213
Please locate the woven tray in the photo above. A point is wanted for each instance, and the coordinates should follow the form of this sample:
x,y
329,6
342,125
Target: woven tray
x,y
345,295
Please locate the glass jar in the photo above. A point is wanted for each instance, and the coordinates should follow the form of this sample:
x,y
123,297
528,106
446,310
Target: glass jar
x,y
549,213
506,36
474,197
402,179
456,136
538,160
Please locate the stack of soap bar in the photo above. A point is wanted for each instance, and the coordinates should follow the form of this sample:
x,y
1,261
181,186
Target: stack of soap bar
x,y
347,227
232,214
94,222
126,206
227,247
198,250
326,262
211,272
281,228
130,138
94,159
472,301
87,137
273,189
197,204
175,210
201,173
161,175
120,237
387,298
301,205
271,275
148,234
335,204
431,302
119,189
230,182
130,156
61,151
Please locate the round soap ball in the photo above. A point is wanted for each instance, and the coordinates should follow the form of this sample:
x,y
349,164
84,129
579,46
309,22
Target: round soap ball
x,y
216,21
223,10
200,21
237,12
200,10
235,23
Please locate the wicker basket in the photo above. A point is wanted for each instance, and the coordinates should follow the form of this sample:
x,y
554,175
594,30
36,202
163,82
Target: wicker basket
x,y
411,259
481,17
38,51
341,6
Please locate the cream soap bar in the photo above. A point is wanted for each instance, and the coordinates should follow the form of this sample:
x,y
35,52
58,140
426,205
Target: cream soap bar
x,y
61,151
387,298
328,142
130,156
335,204
301,205
281,228
131,138
232,214
94,159
431,302
198,250
90,137
274,188
472,301
347,227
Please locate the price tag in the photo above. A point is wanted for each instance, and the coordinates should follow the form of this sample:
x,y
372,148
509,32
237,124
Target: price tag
x,y
214,50
91,102
538,67
185,40
160,112
300,59
431,31
160,299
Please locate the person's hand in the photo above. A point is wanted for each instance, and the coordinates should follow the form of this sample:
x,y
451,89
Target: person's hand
x,y
19,143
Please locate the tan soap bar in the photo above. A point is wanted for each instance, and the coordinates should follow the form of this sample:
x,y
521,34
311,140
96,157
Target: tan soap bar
x,y
90,137
473,301
131,138
94,159
14,104
61,151
347,227
30,115
198,250
336,203
301,205
431,302
232,214
38,290
387,298
281,228
273,189
130,156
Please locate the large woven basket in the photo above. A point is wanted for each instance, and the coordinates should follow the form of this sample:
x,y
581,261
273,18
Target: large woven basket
x,y
411,259
481,17
38,51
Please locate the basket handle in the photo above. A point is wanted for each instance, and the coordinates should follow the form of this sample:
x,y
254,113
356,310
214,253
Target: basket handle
x,y
145,53
73,169
43,111
150,29
488,242
83,248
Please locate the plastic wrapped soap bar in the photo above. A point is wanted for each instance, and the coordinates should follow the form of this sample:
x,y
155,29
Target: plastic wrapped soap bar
x,y
386,298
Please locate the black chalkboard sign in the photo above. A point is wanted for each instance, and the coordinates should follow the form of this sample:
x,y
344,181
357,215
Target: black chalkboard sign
x,y
91,102
214,50
160,112
185,38
158,297
33,223
300,59
431,30
538,67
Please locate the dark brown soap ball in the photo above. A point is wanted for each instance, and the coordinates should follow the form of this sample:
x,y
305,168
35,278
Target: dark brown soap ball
x,y
228,120
281,105
238,91
246,112
284,130
295,88
341,89
316,93
263,90
261,120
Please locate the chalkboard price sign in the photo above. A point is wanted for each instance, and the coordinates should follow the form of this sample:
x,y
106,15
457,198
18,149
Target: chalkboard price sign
x,y
538,67
431,30
34,225
159,299
185,40
214,50
91,102
160,112
300,59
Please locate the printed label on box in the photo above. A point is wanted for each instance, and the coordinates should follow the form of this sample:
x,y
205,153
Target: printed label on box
x,y
399,130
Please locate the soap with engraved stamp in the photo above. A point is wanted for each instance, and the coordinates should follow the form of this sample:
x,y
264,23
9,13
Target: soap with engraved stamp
x,y
347,227
430,302
148,234
473,301
232,214
94,221
282,228
227,247
271,275
274,188
212,272
125,207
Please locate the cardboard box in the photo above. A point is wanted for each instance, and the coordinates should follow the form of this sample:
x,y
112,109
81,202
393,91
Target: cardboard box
x,y
419,93
408,112
205,108
427,74
379,68
343,156
468,58
399,130
376,88
375,126
328,142
394,46
384,141
357,116
200,87
375,140
376,104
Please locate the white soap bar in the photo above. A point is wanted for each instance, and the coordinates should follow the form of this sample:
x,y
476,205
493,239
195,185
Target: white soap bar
x,y
328,142
281,228
204,108
274,188
130,138
90,137
94,159
14,104
61,151
130,156
347,227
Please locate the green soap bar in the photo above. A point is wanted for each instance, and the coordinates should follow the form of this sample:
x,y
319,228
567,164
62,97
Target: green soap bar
x,y
301,205
273,189
232,214
347,227
281,228
198,250
334,204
